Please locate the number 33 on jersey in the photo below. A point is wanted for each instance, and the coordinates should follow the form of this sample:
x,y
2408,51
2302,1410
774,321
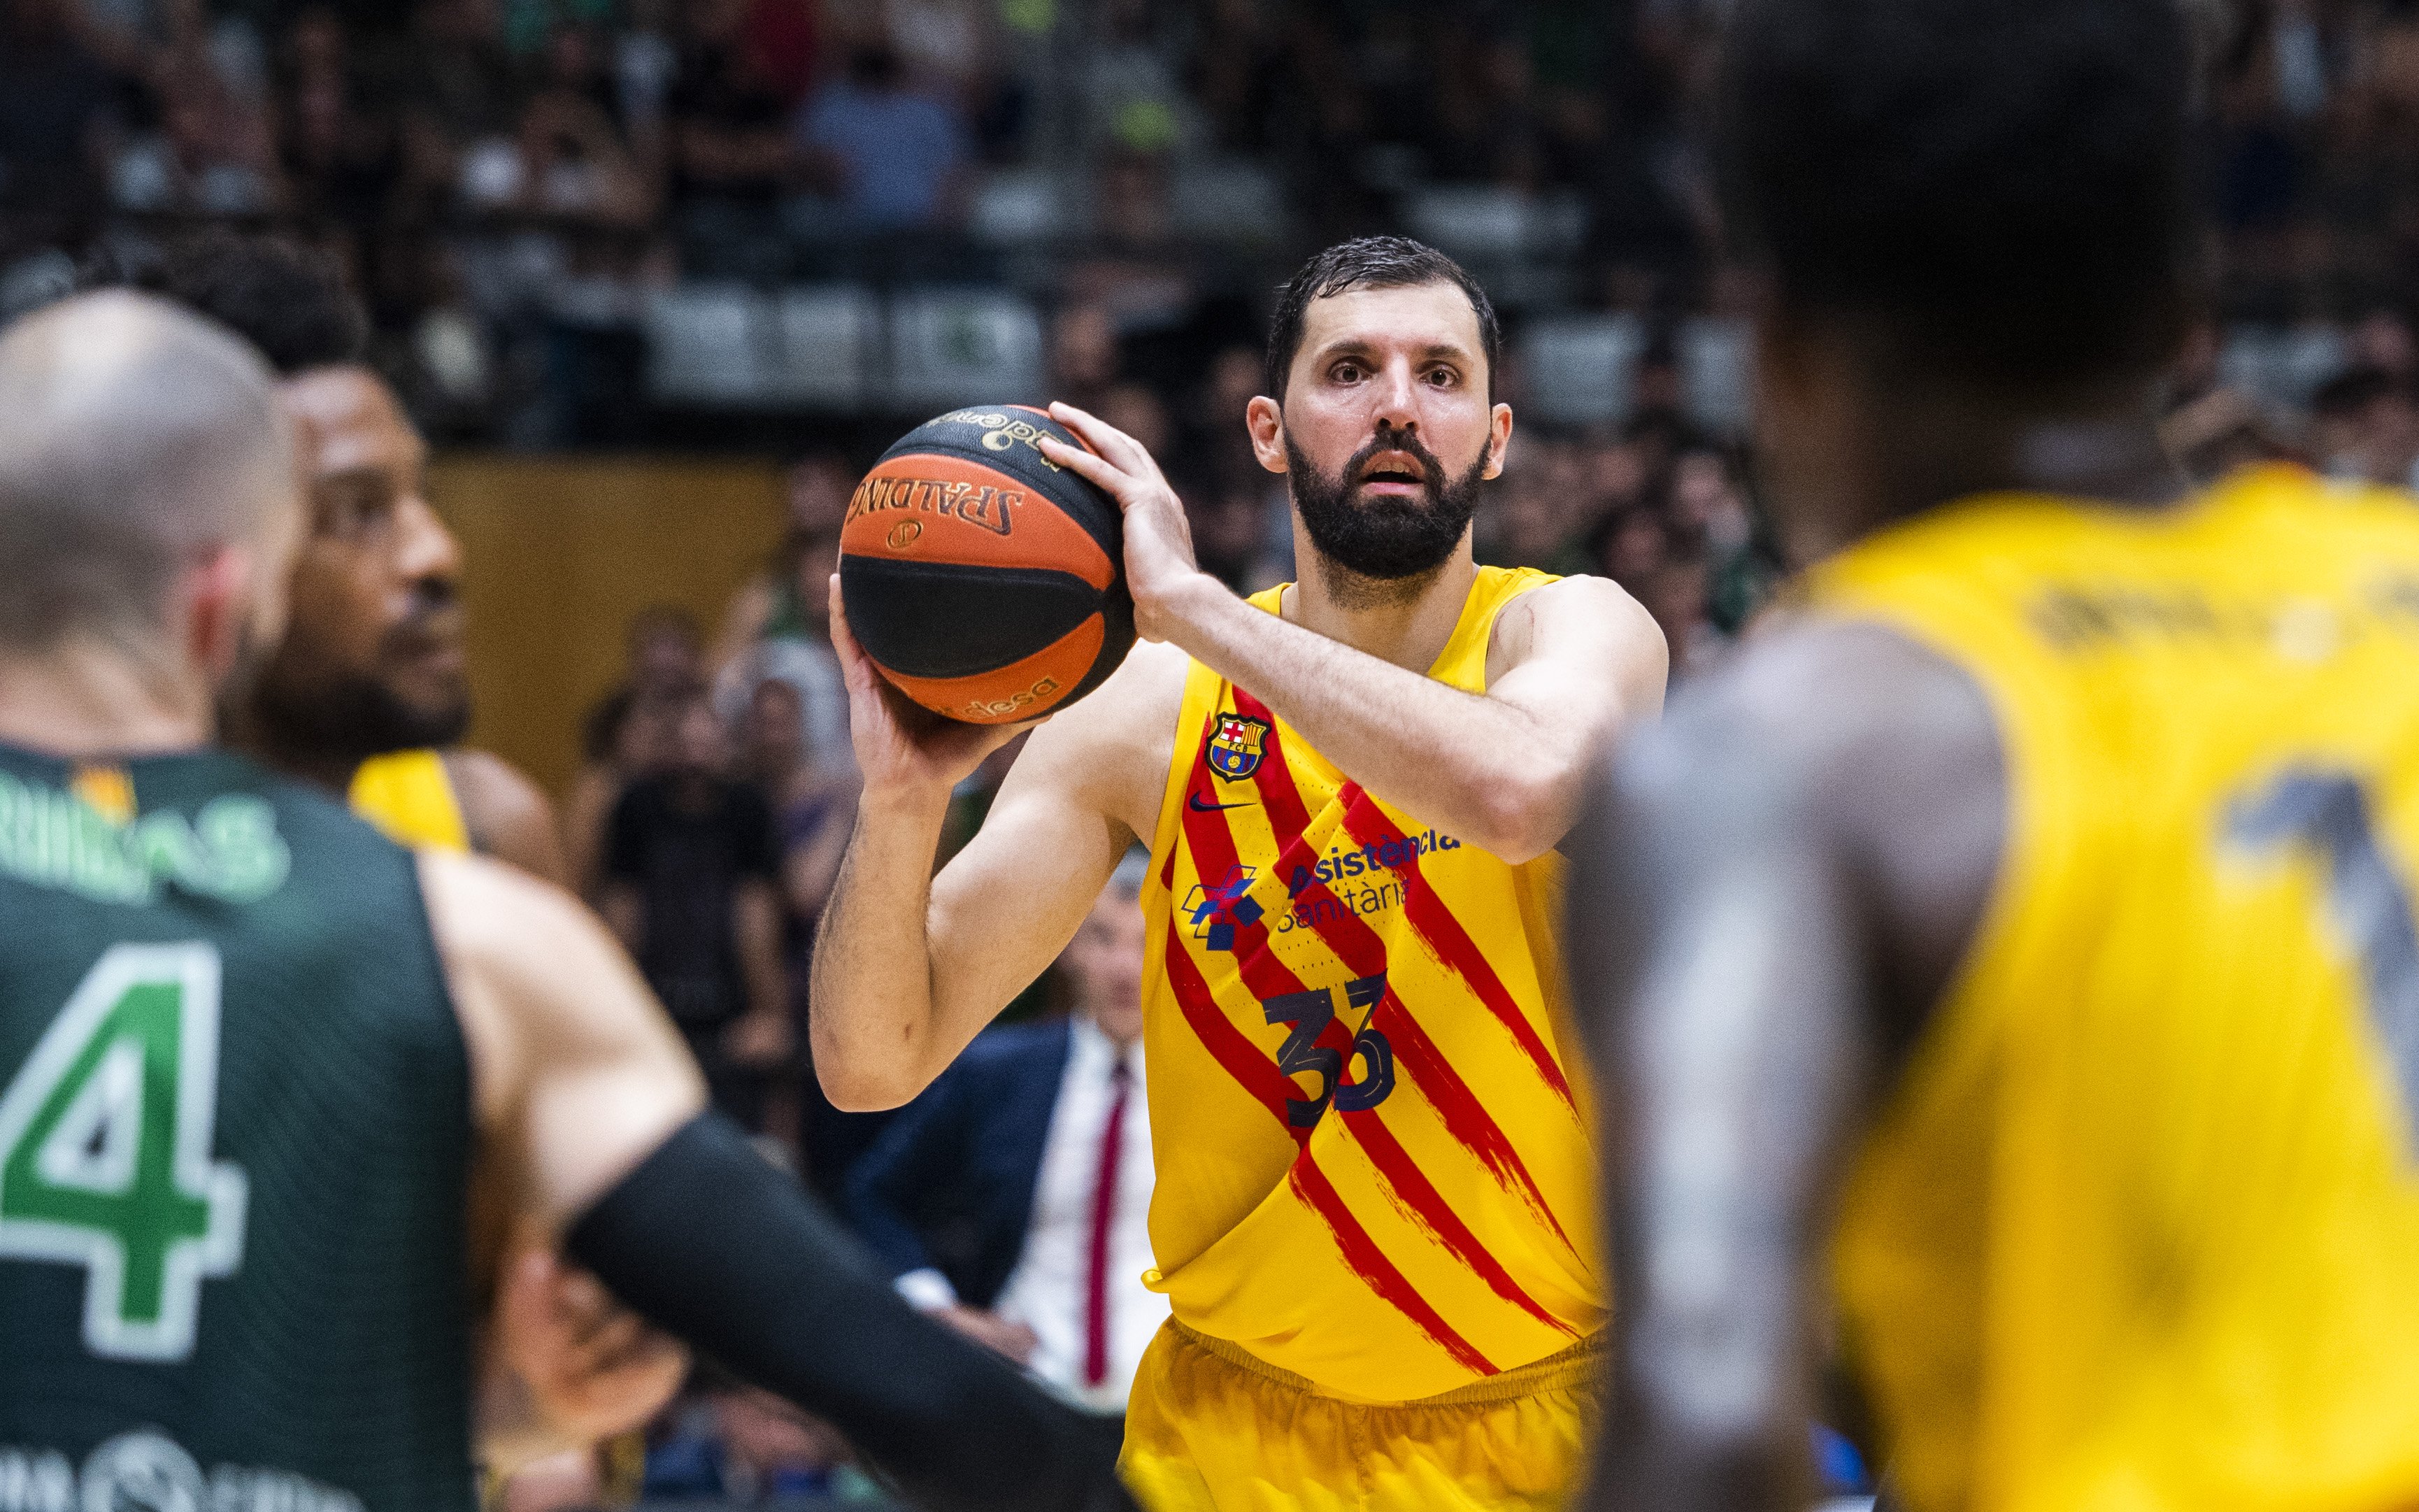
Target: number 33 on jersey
x,y
105,1149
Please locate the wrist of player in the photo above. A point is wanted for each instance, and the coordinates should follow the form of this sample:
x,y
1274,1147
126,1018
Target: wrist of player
x,y
1179,605
904,797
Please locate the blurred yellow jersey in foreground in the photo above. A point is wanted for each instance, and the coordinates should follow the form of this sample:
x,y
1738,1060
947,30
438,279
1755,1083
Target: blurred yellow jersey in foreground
x,y
409,795
2139,1229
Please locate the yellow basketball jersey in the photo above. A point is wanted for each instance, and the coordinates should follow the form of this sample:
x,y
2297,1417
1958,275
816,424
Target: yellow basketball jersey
x,y
409,796
2138,1228
1374,1161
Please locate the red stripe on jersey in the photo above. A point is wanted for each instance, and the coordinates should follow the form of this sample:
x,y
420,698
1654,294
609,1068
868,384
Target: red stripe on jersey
x,y
1367,1261
1243,1060
1437,925
1430,1210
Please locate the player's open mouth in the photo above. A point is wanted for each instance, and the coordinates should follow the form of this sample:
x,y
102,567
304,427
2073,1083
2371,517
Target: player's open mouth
x,y
1395,470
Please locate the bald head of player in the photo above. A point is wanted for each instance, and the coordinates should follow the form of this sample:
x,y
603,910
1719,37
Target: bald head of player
x,y
149,513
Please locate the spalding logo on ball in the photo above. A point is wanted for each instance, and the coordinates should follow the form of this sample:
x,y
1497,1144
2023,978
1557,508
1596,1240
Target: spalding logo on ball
x,y
986,581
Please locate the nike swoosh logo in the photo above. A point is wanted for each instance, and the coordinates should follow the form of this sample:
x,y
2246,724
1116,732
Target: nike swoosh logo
x,y
1199,806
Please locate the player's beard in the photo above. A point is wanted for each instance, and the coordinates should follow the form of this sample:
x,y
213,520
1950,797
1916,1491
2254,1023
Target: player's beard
x,y
1377,537
350,715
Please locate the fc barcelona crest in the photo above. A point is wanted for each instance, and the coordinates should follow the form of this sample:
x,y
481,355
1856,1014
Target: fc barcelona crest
x,y
1235,749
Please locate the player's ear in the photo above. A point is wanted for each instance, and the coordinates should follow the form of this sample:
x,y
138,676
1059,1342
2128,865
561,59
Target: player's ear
x,y
1498,441
218,599
1265,422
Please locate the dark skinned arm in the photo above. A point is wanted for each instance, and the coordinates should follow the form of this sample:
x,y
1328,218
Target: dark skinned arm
x,y
507,816
1772,891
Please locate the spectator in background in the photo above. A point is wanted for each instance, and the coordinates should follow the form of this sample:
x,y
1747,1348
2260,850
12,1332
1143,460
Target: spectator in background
x,y
461,98
891,158
1538,515
215,152
811,810
1229,513
692,885
338,136
55,110
1083,354
628,733
732,155
570,159
730,1446
1134,408
786,42
1662,563
778,623
2366,427
1011,1198
1707,503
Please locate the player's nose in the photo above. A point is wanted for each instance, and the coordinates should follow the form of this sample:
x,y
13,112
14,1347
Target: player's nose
x,y
1398,396
426,550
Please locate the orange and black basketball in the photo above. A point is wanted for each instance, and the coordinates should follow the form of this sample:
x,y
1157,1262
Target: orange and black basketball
x,y
987,582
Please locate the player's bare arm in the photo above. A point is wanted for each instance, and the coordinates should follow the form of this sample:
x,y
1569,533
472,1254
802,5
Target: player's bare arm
x,y
1571,665
575,1075
1087,785
508,816
574,1079
1776,886
589,1112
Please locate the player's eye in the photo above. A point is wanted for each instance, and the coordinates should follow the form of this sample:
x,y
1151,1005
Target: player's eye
x,y
1442,378
1348,371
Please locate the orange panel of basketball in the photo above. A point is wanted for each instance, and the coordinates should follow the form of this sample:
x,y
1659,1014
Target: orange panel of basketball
x,y
985,581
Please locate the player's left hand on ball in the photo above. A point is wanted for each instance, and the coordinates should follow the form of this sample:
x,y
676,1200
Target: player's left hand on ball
x,y
592,1367
1160,563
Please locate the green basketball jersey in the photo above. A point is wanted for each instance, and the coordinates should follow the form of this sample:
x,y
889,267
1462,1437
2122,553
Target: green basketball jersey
x,y
235,1129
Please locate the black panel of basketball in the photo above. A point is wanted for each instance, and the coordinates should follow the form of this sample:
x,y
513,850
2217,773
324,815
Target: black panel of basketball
x,y
892,607
986,582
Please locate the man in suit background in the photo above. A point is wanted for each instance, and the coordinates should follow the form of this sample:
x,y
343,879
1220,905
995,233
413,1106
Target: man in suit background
x,y
1012,1197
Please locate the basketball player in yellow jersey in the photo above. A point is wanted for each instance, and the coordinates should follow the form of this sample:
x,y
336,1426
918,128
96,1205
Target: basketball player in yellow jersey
x,y
1375,1211
2018,944
366,696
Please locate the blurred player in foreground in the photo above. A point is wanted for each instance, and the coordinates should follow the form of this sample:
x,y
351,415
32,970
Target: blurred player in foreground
x,y
1375,1203
2016,947
368,695
262,1067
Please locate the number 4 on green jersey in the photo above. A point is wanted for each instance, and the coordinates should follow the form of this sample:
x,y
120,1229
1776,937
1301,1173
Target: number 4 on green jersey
x,y
105,1149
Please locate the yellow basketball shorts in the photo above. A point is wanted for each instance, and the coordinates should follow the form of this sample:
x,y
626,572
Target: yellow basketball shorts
x,y
1210,1428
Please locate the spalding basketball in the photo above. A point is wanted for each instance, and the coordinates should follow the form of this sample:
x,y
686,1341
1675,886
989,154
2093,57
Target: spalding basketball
x,y
986,581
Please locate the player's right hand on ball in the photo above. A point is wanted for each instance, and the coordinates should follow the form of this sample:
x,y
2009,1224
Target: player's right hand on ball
x,y
901,747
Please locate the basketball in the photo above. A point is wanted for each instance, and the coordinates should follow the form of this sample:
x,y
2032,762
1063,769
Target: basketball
x,y
985,581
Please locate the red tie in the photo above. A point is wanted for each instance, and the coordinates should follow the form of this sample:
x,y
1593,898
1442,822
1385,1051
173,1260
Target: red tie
x,y
1104,1205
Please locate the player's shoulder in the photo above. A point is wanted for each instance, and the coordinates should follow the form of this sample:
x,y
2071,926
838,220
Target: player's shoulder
x,y
485,781
1589,618
489,912
1580,606
1814,714
507,815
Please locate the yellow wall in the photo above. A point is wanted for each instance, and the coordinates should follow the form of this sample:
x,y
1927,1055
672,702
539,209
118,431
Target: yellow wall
x,y
559,554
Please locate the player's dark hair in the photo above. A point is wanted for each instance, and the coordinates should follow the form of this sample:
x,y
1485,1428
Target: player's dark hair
x,y
1997,192
1371,262
290,301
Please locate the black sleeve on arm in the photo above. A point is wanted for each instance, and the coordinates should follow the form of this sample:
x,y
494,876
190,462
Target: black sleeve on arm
x,y
711,1244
